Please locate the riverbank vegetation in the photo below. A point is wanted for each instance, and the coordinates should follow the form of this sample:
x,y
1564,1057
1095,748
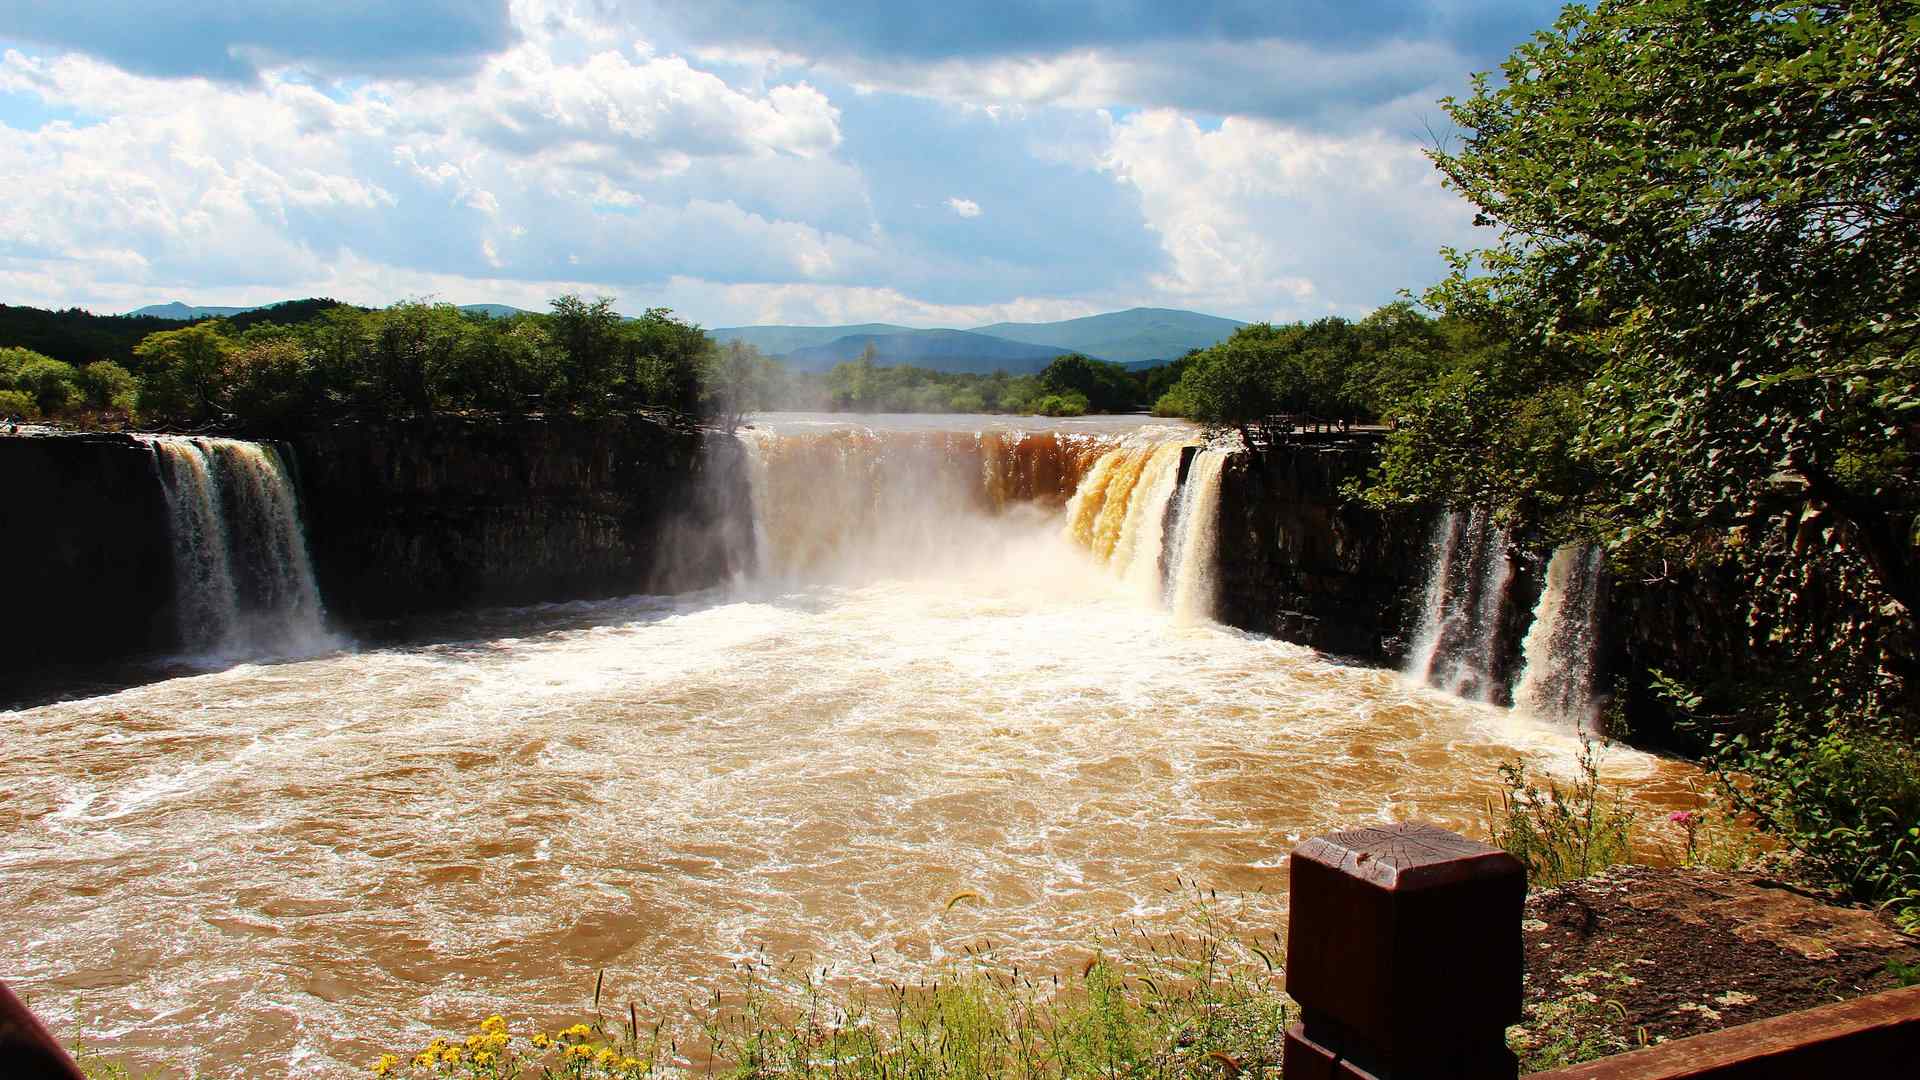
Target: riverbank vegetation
x,y
1267,378
1072,385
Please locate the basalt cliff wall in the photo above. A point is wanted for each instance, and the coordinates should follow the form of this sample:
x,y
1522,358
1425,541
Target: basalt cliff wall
x,y
433,514
1302,561
401,518
84,544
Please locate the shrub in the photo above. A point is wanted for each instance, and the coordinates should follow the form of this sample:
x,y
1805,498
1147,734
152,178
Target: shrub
x,y
52,385
1173,403
1843,793
1070,404
107,386
15,403
1560,834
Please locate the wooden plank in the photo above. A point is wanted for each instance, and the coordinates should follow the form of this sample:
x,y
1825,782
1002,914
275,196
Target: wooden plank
x,y
1875,1036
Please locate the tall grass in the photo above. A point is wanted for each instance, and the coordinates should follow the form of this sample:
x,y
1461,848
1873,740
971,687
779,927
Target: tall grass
x,y
1194,1001
1560,833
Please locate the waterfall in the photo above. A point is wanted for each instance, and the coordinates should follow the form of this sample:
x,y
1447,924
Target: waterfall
x,y
243,582
1142,534
1195,586
1119,515
1457,645
851,504
1558,657
1119,511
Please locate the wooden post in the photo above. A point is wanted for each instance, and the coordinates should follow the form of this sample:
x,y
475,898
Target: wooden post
x,y
1403,950
28,1051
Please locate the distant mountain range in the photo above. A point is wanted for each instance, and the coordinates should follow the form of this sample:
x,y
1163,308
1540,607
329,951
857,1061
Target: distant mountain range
x,y
1139,337
942,350
184,312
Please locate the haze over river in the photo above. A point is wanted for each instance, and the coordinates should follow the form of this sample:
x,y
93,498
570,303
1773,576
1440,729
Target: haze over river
x,y
926,690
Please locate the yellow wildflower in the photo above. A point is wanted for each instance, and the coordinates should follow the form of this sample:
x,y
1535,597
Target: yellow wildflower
x,y
496,1022
630,1063
484,1057
541,1040
385,1064
606,1056
578,1031
578,1051
497,1039
452,1055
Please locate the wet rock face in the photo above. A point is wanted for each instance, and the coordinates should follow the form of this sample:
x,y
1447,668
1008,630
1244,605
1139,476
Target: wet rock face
x,y
83,539
451,512
1300,562
400,517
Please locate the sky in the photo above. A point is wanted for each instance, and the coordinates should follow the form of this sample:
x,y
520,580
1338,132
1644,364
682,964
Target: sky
x,y
739,161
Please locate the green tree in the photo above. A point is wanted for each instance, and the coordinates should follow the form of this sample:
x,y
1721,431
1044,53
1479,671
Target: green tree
x,y
272,379
49,384
1103,386
853,383
663,361
1237,384
185,374
588,335
1406,351
415,351
107,386
1708,223
736,379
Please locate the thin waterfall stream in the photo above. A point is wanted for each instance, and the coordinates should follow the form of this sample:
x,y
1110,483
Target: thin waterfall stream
x,y
1456,646
243,582
1561,649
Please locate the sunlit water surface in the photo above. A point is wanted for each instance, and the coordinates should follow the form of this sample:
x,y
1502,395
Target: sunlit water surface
x,y
283,869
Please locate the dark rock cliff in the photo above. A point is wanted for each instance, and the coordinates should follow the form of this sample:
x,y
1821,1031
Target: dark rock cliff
x,y
1301,563
401,517
451,512
83,538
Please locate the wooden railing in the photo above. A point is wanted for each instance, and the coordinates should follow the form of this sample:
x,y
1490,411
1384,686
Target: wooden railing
x,y
1404,952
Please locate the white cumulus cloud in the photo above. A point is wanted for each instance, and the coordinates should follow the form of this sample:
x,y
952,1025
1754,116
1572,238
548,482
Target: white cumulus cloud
x,y
1284,223
966,208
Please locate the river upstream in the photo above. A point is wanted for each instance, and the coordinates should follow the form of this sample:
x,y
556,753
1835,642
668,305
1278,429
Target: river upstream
x,y
934,684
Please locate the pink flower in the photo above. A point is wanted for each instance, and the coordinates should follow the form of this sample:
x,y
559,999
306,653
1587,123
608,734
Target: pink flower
x,y
1683,817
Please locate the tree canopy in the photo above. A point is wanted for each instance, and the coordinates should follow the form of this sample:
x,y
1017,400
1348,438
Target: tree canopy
x,y
1705,304
1707,251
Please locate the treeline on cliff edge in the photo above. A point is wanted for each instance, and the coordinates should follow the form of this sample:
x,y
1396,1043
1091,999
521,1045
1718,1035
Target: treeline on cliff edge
x,y
310,361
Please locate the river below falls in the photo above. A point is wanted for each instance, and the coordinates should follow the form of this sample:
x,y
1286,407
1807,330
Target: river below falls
x,y
280,869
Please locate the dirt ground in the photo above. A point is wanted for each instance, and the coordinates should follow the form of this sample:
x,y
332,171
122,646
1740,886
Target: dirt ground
x,y
1671,952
